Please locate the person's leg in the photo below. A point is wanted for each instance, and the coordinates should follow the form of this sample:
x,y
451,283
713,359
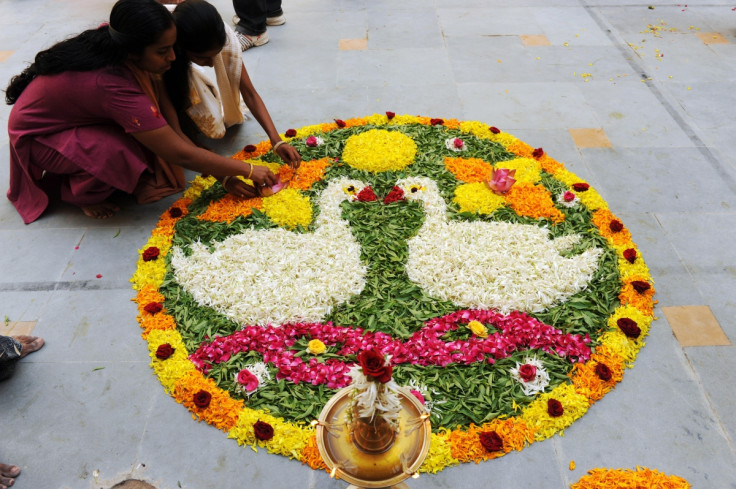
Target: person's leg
x,y
10,353
77,186
273,9
252,15
8,473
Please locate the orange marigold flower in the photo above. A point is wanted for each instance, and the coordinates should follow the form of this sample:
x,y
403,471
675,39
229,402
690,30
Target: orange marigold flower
x,y
520,148
308,173
465,445
229,207
533,201
469,170
311,456
149,322
222,410
643,301
550,165
602,219
148,293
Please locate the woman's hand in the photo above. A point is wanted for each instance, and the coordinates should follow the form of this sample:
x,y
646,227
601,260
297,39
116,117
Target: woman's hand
x,y
239,188
262,176
290,155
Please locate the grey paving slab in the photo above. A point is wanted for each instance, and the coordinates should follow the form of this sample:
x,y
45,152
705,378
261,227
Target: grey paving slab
x,y
517,105
23,305
573,26
81,325
719,360
633,116
484,21
431,100
48,252
405,29
660,179
107,255
408,67
70,420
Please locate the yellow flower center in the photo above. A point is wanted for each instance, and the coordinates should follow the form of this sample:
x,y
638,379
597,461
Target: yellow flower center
x,y
478,329
316,347
378,150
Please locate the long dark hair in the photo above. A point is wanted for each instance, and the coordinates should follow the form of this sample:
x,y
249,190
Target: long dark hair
x,y
199,28
134,24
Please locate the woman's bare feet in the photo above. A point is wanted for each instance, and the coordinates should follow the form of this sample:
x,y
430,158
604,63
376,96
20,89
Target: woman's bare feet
x,y
8,473
30,344
100,211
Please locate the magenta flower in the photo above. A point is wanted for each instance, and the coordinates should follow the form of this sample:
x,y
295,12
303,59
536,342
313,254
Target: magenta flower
x,y
311,141
248,380
501,180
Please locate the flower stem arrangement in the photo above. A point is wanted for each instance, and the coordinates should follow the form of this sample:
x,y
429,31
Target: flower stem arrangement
x,y
373,413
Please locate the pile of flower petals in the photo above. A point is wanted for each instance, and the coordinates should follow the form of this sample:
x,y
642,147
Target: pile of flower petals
x,y
516,331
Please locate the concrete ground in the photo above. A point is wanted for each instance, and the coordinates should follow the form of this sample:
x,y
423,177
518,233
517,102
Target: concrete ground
x,y
636,97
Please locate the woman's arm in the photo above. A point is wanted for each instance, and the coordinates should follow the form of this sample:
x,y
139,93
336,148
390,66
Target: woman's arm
x,y
167,144
254,102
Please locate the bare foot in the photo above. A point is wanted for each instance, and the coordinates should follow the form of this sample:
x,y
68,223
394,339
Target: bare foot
x,y
100,211
8,473
30,344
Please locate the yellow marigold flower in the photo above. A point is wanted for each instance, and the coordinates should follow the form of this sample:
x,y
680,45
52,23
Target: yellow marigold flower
x,y
379,150
289,439
536,414
478,329
288,208
172,369
439,455
469,170
527,169
315,347
628,269
477,129
572,465
198,185
477,197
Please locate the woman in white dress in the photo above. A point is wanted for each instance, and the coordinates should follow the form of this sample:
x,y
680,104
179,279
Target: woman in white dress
x,y
203,39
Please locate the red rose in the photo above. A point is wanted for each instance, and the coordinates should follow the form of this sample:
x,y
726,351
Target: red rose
x,y
202,399
311,141
640,286
629,327
153,307
491,441
538,153
366,195
374,365
394,195
263,431
580,187
458,143
527,372
150,253
290,133
164,351
554,408
494,130
390,115
175,212
568,196
340,122
630,255
435,122
616,226
603,372
249,148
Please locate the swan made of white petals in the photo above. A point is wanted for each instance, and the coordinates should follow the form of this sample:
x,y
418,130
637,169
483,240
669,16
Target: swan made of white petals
x,y
275,276
491,265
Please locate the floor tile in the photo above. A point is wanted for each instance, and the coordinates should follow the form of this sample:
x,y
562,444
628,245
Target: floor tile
x,y
695,326
4,55
712,38
15,328
712,365
590,138
45,266
405,29
534,40
353,44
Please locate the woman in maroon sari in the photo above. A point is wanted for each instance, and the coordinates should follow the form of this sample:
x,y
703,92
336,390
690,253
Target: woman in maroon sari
x,y
91,116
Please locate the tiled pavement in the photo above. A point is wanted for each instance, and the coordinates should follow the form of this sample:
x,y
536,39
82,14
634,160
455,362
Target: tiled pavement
x,y
636,97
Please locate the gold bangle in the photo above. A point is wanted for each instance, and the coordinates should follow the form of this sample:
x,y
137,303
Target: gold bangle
x,y
250,172
276,146
224,182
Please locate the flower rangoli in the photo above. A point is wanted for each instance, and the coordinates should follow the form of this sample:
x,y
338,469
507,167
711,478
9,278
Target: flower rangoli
x,y
507,295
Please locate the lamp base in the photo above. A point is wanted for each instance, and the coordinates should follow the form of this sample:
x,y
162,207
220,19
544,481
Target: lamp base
x,y
400,485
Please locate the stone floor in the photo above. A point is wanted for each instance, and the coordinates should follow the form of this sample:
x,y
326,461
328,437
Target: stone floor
x,y
636,97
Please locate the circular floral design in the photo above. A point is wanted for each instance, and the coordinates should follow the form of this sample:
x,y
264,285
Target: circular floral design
x,y
507,295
